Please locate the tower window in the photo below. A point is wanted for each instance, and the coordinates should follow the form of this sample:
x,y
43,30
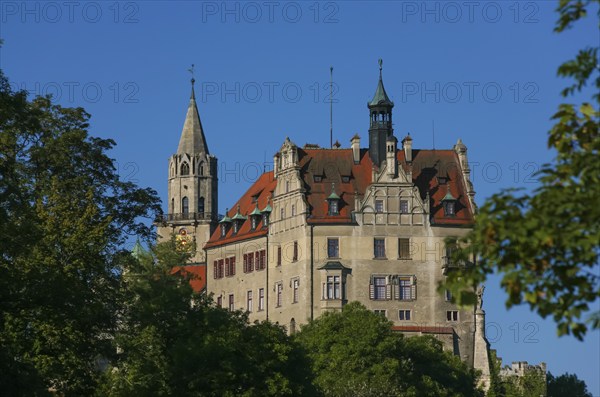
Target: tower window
x,y
201,169
185,169
201,205
449,209
185,206
172,206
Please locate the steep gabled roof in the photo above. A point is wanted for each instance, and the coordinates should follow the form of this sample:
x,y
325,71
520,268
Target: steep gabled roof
x,y
324,169
261,191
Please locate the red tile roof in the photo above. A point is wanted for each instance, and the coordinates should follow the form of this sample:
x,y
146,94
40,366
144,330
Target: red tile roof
x,y
262,190
195,273
337,171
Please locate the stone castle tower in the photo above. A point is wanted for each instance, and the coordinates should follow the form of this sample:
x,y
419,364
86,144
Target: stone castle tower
x,y
193,187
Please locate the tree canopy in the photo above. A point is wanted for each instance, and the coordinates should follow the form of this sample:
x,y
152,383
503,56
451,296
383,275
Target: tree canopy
x,y
355,352
546,244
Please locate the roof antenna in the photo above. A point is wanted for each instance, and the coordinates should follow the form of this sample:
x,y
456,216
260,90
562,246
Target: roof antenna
x,y
264,161
433,133
331,107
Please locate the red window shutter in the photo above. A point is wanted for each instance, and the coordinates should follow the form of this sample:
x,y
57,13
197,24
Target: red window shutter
x,y
245,265
413,287
232,262
215,269
227,267
371,289
257,260
263,255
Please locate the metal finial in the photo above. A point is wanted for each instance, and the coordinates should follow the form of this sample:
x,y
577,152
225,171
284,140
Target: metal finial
x,y
380,66
193,80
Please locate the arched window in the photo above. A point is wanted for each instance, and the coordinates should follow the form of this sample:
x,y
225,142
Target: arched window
x,y
172,206
201,206
201,169
185,169
185,205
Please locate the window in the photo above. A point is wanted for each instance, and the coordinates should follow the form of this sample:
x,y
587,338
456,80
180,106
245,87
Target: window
x,y
253,222
452,315
265,219
230,266
231,304
295,256
293,210
185,169
282,213
185,205
223,230
379,247
279,256
261,299
405,288
279,294
333,248
287,186
379,206
404,206
379,288
218,268
449,208
219,301
404,248
172,206
201,169
332,288
248,263
380,312
317,178
295,288
345,179
201,206
260,259
404,315
333,207
448,295
249,301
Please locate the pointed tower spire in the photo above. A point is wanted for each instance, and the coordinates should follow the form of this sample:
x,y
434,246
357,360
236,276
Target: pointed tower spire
x,y
380,97
380,126
192,139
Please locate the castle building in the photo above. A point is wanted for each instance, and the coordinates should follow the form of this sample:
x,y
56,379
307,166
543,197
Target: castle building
x,y
332,225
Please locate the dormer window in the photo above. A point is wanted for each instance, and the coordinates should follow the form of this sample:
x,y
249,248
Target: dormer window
x,y
449,204
266,213
238,220
255,217
345,179
317,178
333,202
224,223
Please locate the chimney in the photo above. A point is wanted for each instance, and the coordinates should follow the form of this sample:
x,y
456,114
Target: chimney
x,y
407,145
355,145
276,165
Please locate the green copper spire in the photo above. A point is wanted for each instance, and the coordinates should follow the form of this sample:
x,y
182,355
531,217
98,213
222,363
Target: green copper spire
x,y
380,97
138,250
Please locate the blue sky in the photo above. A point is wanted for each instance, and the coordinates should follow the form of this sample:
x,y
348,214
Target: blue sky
x,y
484,72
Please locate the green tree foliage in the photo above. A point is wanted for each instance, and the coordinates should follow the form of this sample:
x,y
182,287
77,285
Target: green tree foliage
x,y
355,352
64,214
566,385
173,341
546,244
